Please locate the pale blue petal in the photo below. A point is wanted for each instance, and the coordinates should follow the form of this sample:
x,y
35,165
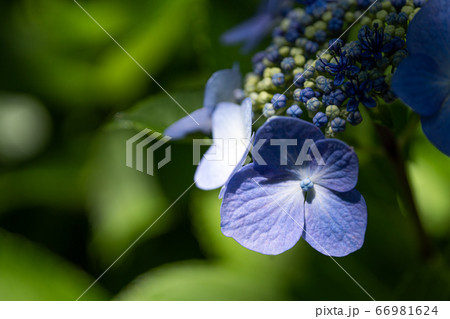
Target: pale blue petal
x,y
335,223
251,32
283,130
429,32
220,87
264,215
237,168
231,133
197,121
422,84
340,172
436,128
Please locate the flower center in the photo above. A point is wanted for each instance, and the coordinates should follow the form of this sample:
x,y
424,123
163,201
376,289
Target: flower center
x,y
306,184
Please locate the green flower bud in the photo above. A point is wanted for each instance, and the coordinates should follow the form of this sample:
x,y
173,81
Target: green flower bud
x,y
400,32
264,97
299,60
309,84
408,9
381,14
320,25
284,51
310,32
349,17
332,111
327,16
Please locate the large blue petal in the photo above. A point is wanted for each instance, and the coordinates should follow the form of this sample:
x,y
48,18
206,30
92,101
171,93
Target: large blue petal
x,y
283,130
264,215
436,128
339,169
220,87
197,121
429,32
335,223
422,84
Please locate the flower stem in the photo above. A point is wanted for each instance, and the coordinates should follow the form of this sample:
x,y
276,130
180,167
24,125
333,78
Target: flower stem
x,y
392,149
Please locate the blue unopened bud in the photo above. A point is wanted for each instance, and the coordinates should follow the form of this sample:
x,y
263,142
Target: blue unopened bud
x,y
354,118
321,64
278,79
398,3
335,24
259,68
279,101
306,94
299,80
294,111
402,18
320,36
313,104
273,56
311,47
306,184
391,18
324,84
288,64
292,35
268,110
338,125
320,119
335,45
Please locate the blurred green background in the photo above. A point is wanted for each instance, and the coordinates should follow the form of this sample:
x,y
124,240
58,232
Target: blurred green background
x,y
70,98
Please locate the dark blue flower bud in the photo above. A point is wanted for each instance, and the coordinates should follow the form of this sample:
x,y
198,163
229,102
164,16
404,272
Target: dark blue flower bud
x,y
277,32
299,80
320,36
335,45
398,3
320,119
402,18
278,79
311,47
258,57
354,118
259,69
279,101
273,56
391,18
307,94
335,24
294,111
338,125
292,35
288,64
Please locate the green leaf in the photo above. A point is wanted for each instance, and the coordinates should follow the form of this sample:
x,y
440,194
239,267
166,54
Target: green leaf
x,y
159,111
197,280
30,272
122,202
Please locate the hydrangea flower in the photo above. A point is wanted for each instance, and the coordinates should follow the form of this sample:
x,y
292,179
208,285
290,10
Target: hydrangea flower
x,y
231,131
422,80
220,87
252,31
292,192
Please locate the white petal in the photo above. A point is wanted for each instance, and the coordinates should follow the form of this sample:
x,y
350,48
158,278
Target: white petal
x,y
231,128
